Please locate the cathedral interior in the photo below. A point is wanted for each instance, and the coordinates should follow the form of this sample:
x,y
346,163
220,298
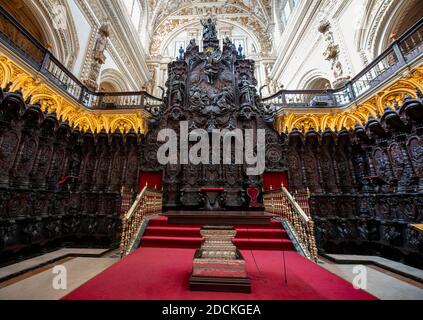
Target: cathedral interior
x,y
88,86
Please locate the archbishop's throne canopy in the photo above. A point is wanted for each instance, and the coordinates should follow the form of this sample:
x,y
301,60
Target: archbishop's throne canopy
x,y
212,89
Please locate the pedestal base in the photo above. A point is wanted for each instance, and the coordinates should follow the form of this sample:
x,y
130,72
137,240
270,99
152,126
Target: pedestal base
x,y
219,217
218,265
220,284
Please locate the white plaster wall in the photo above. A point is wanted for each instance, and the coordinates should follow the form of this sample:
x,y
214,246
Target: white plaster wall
x,y
349,23
110,62
307,59
84,30
238,36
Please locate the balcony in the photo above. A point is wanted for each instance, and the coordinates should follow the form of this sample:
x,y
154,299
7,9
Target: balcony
x,y
402,53
18,40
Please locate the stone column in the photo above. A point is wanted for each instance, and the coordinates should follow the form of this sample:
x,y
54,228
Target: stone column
x,y
332,54
98,56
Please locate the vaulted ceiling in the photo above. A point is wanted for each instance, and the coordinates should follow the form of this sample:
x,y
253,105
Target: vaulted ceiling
x,y
167,17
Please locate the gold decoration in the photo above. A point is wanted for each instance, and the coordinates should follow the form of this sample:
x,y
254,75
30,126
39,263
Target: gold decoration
x,y
148,202
52,100
296,212
96,120
357,113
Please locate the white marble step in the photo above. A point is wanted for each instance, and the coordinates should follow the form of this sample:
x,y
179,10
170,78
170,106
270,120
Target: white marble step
x,y
393,266
16,269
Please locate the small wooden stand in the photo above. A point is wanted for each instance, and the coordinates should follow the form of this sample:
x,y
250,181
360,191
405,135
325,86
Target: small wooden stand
x,y
218,265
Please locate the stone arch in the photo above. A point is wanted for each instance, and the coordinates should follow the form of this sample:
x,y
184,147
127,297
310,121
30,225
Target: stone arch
x,y
369,109
47,101
404,16
397,94
312,79
327,122
112,80
384,22
41,19
318,84
348,121
84,123
124,124
170,36
306,122
5,72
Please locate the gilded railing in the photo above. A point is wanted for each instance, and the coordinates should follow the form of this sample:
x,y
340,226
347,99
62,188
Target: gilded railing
x,y
148,202
16,38
283,204
401,53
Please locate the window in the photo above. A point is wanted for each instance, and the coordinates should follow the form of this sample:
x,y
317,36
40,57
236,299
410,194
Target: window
x,y
287,11
134,11
241,42
284,11
178,45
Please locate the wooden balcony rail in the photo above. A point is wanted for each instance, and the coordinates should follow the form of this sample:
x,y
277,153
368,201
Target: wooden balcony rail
x,y
403,52
23,44
148,202
282,203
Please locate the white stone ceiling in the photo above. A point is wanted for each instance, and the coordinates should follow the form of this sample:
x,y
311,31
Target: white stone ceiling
x,y
167,17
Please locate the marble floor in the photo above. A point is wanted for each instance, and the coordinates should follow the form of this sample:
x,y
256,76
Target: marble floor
x,y
38,283
382,284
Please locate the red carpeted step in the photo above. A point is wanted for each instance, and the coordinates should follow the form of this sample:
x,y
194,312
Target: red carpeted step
x,y
162,221
161,234
273,225
243,233
171,242
162,274
263,244
173,231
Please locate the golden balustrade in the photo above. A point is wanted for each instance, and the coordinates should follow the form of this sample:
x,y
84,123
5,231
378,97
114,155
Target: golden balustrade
x,y
127,199
283,204
148,202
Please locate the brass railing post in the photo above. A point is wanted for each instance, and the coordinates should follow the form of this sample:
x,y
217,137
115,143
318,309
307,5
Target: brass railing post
x,y
296,211
148,202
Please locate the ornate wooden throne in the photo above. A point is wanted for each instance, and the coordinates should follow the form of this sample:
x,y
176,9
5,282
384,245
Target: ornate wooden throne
x,y
213,89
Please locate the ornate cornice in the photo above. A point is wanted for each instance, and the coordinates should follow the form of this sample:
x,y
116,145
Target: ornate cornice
x,y
252,19
51,100
356,114
131,64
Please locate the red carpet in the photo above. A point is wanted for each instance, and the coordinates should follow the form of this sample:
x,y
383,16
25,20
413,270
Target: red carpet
x,y
160,234
161,273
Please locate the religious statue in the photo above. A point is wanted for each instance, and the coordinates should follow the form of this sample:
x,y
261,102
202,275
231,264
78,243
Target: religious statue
x,y
191,45
101,44
209,30
228,44
181,53
178,90
269,113
211,65
210,69
240,50
332,52
98,56
223,99
245,91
